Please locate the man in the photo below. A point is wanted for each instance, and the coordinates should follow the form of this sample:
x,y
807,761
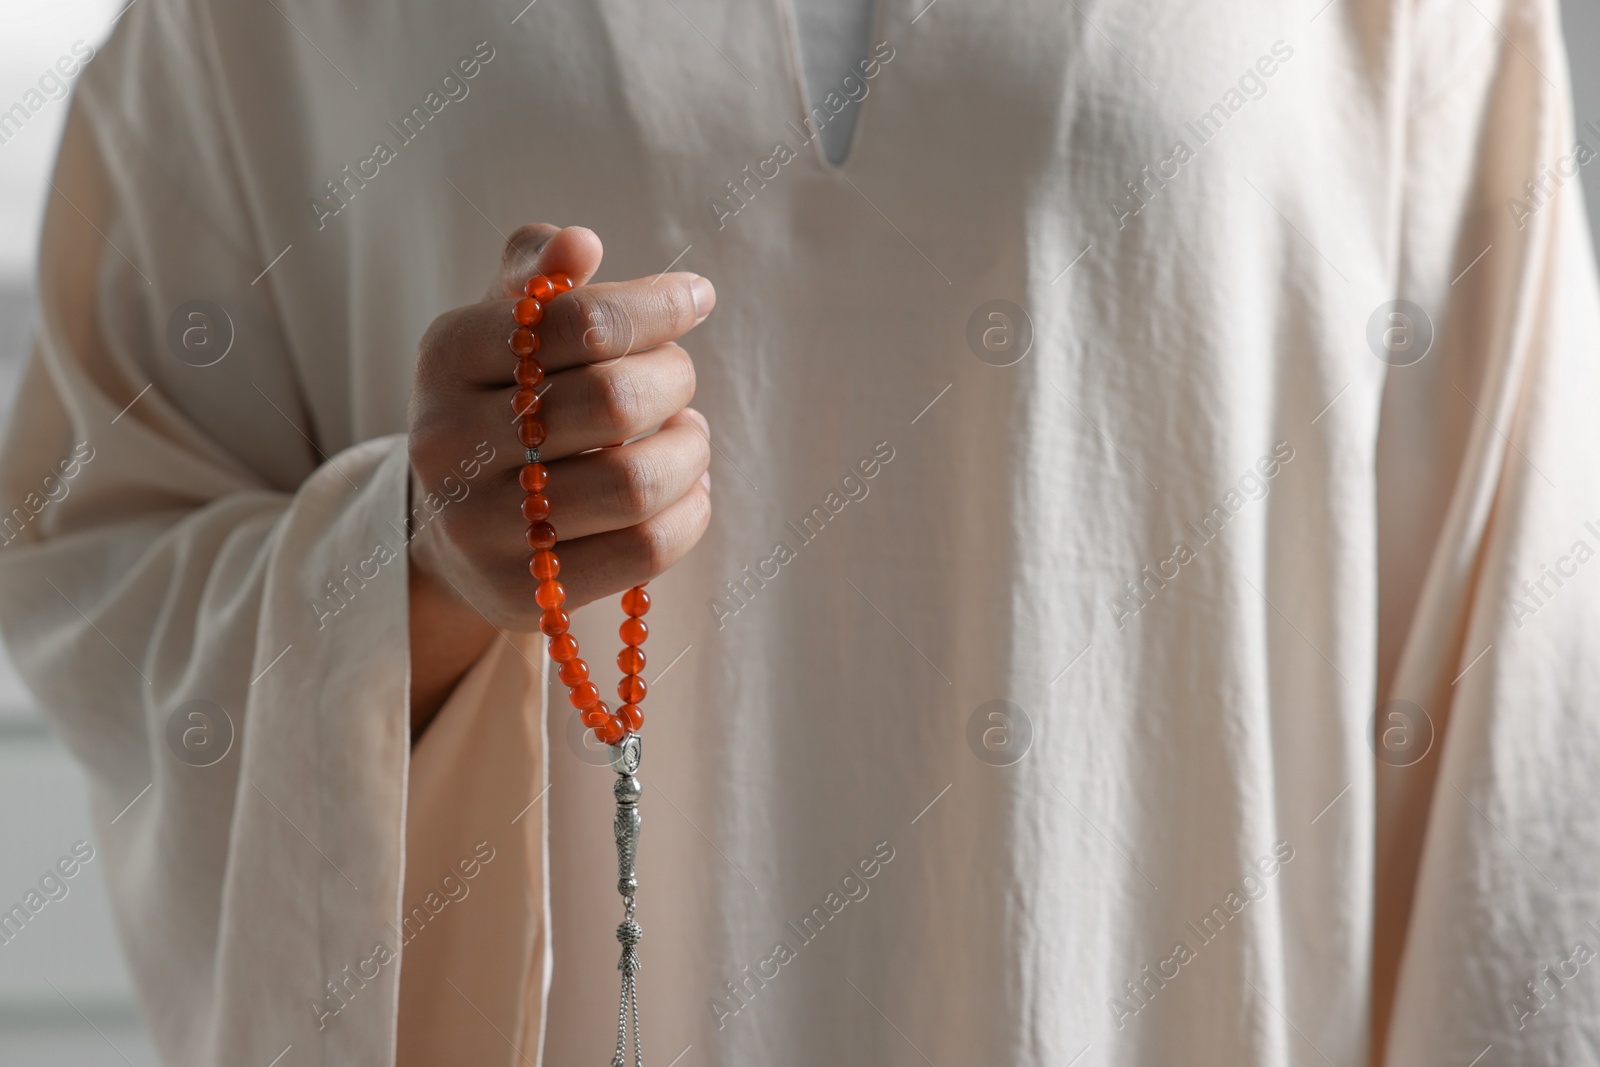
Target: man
x,y
1106,641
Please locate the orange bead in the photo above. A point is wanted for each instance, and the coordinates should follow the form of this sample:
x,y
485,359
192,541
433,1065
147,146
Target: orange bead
x,y
539,287
544,564
533,477
574,672
553,622
564,648
528,311
612,732
536,507
633,632
631,660
631,717
631,689
525,401
541,535
523,341
594,717
530,431
550,594
530,372
584,695
561,282
636,601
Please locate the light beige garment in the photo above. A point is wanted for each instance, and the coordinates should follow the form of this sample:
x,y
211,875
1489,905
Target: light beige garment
x,y
474,929
1195,855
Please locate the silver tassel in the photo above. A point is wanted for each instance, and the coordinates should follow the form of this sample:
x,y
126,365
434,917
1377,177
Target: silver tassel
x,y
625,761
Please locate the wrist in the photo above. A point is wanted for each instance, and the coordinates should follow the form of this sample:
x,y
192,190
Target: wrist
x,y
447,634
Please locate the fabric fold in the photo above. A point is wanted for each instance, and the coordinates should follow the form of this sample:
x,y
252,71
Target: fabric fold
x,y
1478,887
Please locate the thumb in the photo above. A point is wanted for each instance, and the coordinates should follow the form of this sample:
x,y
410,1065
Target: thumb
x,y
541,248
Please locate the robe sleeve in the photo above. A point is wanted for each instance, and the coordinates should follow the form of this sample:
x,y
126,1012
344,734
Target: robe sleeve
x,y
207,601
1489,505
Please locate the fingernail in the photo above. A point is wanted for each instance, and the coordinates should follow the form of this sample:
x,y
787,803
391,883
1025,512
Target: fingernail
x,y
705,427
704,296
705,480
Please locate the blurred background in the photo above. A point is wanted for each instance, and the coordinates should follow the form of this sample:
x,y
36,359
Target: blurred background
x,y
65,998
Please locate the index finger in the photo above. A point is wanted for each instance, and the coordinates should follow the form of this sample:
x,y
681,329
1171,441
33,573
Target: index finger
x,y
588,325
595,323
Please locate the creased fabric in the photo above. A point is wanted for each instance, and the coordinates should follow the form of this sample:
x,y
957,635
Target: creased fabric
x,y
1079,512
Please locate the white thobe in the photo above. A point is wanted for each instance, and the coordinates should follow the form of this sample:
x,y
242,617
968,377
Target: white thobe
x,y
1076,387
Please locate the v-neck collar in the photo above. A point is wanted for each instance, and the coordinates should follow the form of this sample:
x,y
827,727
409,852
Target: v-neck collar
x,y
789,30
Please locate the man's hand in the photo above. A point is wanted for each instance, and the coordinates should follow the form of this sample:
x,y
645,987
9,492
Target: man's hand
x,y
624,512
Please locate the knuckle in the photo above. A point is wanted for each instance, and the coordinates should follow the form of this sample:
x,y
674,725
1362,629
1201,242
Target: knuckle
x,y
597,326
656,543
682,366
529,233
662,541
695,518
459,532
435,339
445,348
639,486
614,400
429,440
702,453
524,246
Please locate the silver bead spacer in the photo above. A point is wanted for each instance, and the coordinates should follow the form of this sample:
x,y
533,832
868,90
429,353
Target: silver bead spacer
x,y
626,757
533,455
